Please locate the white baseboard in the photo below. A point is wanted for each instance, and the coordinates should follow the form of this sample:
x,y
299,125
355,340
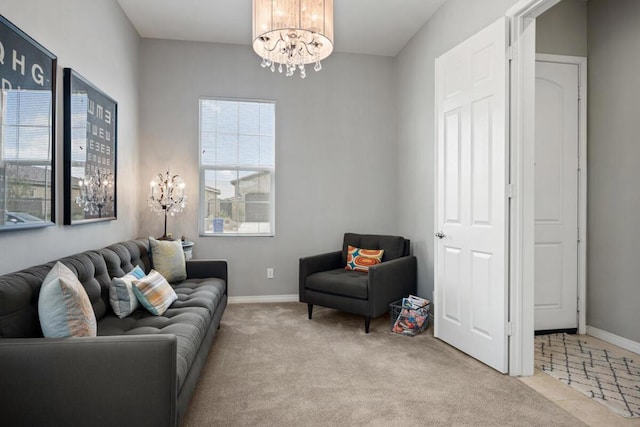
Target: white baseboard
x,y
264,299
614,339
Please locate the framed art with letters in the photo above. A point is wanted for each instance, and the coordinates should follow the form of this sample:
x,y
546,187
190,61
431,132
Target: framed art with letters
x,y
27,130
90,143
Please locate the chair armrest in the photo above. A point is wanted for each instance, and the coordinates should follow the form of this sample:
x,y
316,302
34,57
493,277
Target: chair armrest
x,y
207,268
315,264
101,381
391,280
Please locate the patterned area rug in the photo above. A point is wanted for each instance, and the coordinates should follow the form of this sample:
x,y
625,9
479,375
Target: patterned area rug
x,y
602,375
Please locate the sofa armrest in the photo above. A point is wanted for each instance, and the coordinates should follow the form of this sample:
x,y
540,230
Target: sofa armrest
x,y
391,280
207,268
315,264
102,381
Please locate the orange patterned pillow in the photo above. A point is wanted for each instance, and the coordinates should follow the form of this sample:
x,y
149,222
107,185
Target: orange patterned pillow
x,y
361,259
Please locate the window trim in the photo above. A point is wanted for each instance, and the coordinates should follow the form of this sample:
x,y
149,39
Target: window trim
x,y
203,169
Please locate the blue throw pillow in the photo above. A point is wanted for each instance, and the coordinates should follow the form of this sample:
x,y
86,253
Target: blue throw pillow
x,y
121,296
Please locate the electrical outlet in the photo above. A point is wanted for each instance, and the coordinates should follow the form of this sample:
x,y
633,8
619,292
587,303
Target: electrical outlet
x,y
269,273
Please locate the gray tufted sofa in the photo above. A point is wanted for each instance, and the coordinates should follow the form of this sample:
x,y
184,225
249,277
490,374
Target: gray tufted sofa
x,y
139,371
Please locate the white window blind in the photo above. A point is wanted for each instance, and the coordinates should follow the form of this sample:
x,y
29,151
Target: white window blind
x,y
237,167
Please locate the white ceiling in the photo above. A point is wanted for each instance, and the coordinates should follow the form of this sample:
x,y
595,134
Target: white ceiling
x,y
377,27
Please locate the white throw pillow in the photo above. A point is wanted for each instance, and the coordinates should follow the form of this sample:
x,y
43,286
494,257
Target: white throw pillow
x,y
64,307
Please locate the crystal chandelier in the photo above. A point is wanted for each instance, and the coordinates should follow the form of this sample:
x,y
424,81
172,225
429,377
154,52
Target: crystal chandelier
x,y
166,195
288,34
96,194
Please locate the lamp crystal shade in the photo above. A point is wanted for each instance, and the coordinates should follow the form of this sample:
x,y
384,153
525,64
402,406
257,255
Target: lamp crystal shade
x,y
288,34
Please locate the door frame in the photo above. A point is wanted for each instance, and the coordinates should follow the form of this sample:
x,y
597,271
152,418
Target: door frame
x,y
522,18
521,130
581,63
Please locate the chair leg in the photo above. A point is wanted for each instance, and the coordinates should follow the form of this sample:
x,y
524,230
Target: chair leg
x,y
310,309
367,320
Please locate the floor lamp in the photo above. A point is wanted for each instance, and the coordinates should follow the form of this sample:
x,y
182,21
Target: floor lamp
x,y
166,195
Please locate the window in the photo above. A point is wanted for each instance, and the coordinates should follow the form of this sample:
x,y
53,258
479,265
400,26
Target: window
x,y
25,157
237,166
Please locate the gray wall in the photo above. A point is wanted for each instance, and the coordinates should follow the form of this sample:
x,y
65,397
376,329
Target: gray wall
x,y
454,22
335,168
562,30
96,39
613,275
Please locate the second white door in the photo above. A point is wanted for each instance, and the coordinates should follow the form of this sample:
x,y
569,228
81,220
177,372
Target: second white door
x,y
556,195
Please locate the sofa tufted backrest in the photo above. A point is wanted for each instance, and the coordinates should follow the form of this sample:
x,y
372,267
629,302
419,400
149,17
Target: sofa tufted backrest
x,y
394,246
19,302
123,257
19,291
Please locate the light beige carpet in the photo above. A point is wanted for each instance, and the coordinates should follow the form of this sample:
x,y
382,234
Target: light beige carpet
x,y
271,366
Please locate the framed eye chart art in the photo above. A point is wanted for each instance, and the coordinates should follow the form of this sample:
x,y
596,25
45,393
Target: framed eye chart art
x,y
90,134
27,130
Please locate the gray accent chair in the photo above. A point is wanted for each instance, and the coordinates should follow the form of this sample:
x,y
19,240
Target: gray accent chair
x,y
324,280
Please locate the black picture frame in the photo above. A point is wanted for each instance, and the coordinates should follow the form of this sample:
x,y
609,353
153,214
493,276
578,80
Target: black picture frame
x,y
27,131
90,152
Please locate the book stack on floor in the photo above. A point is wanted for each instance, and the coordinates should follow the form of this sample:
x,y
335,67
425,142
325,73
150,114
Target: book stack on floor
x,y
409,316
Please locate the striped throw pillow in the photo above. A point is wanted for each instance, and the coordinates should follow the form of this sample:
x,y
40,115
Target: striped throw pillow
x,y
154,293
121,296
361,259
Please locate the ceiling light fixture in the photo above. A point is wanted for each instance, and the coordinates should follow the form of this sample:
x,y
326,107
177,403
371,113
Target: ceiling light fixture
x,y
288,34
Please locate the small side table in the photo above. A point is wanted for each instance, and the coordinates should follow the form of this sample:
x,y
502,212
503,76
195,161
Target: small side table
x,y
187,247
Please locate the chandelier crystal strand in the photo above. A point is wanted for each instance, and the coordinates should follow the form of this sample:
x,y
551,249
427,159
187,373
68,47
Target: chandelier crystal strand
x,y
292,33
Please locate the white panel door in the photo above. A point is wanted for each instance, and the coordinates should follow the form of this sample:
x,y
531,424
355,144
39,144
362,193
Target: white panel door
x,y
556,196
471,204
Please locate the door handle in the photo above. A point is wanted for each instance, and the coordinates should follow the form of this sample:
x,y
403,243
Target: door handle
x,y
439,234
